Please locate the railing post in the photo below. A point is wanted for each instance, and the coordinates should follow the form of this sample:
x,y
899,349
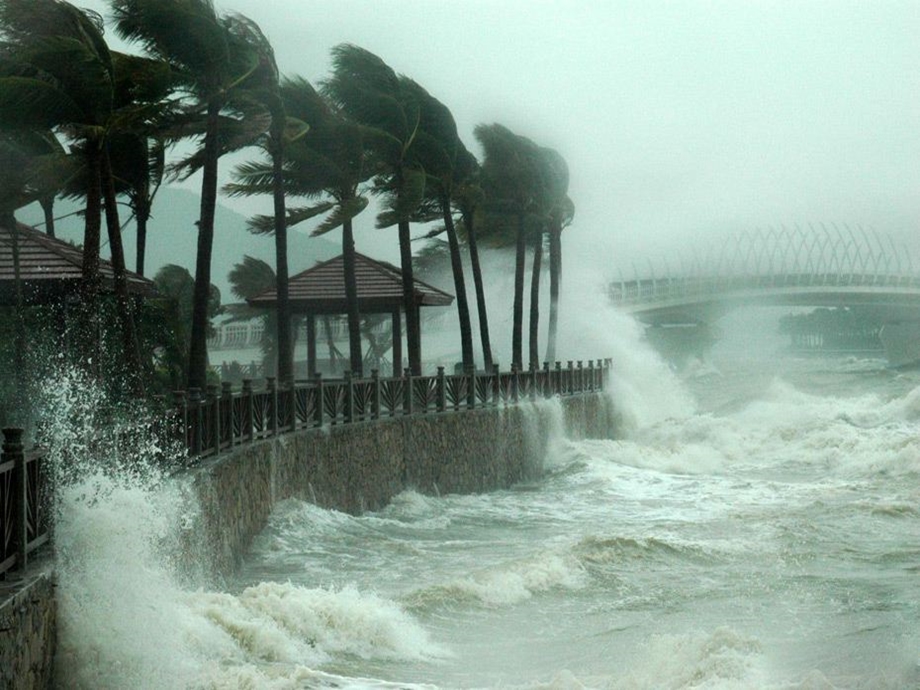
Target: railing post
x,y
246,411
272,389
557,389
496,384
226,406
195,420
407,391
570,376
375,394
440,391
580,377
349,397
213,413
319,410
181,405
13,452
591,378
547,381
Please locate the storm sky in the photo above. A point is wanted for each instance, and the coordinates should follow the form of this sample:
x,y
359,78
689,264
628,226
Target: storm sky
x,y
680,121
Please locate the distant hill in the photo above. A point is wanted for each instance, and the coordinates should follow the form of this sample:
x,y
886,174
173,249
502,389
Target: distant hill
x,y
172,237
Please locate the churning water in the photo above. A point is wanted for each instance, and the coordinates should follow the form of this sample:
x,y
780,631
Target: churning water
x,y
758,527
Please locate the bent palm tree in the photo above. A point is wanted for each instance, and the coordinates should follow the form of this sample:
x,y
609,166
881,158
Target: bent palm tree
x,y
328,161
441,152
212,56
510,178
58,73
370,93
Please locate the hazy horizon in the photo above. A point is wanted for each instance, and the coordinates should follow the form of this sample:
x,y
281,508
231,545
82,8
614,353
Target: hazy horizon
x,y
680,121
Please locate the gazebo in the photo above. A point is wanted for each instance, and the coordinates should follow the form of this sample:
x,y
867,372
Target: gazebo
x,y
50,269
320,290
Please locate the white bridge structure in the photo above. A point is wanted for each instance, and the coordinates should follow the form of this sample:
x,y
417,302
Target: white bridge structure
x,y
829,266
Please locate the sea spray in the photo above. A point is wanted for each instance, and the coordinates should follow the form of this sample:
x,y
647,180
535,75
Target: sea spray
x,y
130,614
644,389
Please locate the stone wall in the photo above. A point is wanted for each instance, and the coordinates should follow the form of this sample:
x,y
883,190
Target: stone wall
x,y
359,467
27,631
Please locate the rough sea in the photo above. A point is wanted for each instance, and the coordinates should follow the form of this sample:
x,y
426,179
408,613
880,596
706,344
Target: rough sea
x,y
757,525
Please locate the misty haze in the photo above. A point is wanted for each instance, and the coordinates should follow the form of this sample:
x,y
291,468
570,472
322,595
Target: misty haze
x,y
406,344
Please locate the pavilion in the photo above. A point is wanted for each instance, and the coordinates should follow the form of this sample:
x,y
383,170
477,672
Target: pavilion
x,y
320,290
50,269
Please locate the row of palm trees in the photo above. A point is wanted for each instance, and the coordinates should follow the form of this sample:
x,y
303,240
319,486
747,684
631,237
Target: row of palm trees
x,y
211,78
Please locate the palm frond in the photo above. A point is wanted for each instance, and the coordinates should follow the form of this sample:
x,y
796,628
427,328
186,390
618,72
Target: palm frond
x,y
343,212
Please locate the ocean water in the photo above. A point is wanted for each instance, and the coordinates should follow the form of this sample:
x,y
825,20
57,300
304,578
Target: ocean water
x,y
758,526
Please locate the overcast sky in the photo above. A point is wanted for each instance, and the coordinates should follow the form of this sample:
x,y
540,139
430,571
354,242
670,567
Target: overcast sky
x,y
679,120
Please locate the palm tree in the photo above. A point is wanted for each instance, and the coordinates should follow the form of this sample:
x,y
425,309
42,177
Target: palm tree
x,y
328,161
212,56
248,279
561,211
58,73
371,94
441,152
510,178
468,198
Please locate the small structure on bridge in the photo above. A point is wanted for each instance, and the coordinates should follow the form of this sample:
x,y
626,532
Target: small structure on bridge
x,y
320,290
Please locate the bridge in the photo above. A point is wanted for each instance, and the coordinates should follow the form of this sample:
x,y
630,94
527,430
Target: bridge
x,y
817,266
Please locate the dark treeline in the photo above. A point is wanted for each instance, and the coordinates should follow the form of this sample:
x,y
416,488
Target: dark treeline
x,y
81,120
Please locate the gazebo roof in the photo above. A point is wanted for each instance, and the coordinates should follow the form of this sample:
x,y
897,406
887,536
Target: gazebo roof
x,y
321,289
50,268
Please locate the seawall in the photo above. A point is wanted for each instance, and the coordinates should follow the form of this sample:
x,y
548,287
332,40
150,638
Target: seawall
x,y
359,467
352,468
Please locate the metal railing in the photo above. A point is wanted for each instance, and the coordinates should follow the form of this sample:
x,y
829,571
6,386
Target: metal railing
x,y
25,514
220,419
650,292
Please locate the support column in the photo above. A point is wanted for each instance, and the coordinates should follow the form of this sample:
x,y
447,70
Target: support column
x,y
397,345
311,346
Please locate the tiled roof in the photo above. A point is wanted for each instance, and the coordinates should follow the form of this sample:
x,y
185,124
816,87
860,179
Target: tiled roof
x,y
321,289
49,267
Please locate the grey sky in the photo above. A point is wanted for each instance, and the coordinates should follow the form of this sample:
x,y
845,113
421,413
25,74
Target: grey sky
x,y
679,120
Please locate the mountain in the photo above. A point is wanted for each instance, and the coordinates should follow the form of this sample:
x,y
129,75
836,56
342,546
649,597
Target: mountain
x,y
172,237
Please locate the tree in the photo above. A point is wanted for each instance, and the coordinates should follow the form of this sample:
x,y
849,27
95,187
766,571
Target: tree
x,y
511,179
365,89
327,165
58,73
212,56
468,198
167,326
440,153
560,212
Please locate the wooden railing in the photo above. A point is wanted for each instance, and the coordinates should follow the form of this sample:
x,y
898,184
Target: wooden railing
x,y
219,419
24,502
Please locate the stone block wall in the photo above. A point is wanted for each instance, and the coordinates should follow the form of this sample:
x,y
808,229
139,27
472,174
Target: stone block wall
x,y
358,467
27,632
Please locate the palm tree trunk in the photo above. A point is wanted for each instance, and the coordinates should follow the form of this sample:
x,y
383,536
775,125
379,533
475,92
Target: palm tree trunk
x,y
132,356
535,301
141,217
285,341
198,347
351,298
88,330
463,307
480,290
20,397
413,327
517,333
47,205
555,275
